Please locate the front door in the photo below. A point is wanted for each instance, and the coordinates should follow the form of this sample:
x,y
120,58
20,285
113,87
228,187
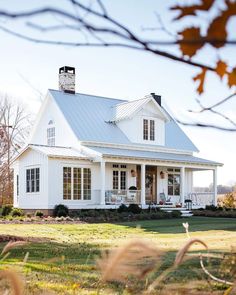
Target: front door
x,y
151,184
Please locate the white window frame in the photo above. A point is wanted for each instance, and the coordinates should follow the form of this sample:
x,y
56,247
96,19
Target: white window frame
x,y
120,169
35,179
51,135
174,172
72,182
149,133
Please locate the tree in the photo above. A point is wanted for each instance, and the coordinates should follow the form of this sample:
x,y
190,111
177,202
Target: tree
x,y
14,128
93,26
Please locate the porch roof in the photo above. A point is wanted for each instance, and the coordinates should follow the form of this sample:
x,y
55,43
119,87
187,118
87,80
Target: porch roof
x,y
150,155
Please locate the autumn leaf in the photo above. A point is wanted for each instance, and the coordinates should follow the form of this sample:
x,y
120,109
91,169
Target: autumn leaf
x,y
191,10
194,37
232,78
201,77
217,29
221,68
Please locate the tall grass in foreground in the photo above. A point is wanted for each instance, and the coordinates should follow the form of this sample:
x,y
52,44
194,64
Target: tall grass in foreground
x,y
137,265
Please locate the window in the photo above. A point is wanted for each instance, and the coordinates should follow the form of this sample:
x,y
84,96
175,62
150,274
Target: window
x,y
120,178
51,136
115,179
152,130
148,129
173,184
76,183
87,184
145,129
17,185
32,180
67,183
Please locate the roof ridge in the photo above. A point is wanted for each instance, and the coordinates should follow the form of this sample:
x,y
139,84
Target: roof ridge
x,y
96,96
129,101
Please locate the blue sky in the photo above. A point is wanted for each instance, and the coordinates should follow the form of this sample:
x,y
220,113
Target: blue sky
x,y
121,73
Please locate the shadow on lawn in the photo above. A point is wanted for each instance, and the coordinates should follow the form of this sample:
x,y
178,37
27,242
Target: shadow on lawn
x,y
173,226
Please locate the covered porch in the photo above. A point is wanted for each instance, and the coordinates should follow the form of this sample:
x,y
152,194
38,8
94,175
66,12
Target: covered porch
x,y
166,185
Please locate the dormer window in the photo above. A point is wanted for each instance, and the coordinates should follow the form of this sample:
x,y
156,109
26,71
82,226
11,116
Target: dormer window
x,y
148,129
51,136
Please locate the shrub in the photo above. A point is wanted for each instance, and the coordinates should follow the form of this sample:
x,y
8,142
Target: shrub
x,y
60,210
39,214
17,212
6,210
176,214
122,208
229,201
134,208
211,207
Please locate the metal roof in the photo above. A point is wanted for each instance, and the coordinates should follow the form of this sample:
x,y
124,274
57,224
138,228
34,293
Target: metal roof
x,y
54,151
88,115
161,156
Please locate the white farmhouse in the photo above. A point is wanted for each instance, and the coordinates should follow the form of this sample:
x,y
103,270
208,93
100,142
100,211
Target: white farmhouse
x,y
88,151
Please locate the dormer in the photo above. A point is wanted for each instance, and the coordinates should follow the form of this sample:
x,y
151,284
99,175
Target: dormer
x,y
142,121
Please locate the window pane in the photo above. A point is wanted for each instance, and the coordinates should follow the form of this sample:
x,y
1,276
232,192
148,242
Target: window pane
x,y
67,183
176,179
122,180
176,190
115,179
170,179
170,190
51,136
87,183
145,129
77,184
152,130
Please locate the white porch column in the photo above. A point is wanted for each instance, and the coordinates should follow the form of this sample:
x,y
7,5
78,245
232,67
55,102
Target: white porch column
x,y
215,186
182,185
143,189
103,176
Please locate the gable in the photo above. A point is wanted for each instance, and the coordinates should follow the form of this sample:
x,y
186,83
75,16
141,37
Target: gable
x,y
51,116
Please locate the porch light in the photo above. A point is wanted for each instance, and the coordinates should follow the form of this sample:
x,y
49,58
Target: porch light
x,y
133,173
162,175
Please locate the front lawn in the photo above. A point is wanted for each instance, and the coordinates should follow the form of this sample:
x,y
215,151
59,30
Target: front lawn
x,y
64,261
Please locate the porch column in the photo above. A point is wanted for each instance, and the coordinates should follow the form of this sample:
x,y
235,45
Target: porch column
x,y
215,186
143,189
182,185
102,173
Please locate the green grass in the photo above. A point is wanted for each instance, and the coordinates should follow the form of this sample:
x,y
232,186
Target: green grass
x,y
75,248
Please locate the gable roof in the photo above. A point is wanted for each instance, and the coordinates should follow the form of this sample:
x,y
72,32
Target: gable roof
x,y
87,116
53,151
128,109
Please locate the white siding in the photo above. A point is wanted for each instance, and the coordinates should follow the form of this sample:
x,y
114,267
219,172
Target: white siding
x,y
133,128
63,133
39,200
55,180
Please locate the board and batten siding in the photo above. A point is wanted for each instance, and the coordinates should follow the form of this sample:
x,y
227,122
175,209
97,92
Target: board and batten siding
x,y
133,128
55,181
64,136
37,200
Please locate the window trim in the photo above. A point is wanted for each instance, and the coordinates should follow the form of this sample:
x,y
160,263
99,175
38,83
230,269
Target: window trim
x,y
36,181
120,169
81,180
51,136
174,172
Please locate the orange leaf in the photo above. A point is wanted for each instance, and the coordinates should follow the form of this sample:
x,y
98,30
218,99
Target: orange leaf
x,y
201,77
191,10
232,78
195,41
221,68
217,29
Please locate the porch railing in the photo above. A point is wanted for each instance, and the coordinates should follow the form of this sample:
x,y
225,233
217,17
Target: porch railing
x,y
201,199
116,197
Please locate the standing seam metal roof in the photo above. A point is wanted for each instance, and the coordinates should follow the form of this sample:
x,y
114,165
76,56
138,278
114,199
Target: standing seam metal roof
x,y
87,115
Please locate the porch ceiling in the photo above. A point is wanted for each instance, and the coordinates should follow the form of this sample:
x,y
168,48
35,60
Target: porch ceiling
x,y
149,155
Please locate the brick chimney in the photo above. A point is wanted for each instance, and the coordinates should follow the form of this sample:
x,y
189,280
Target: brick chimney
x,y
67,79
157,98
